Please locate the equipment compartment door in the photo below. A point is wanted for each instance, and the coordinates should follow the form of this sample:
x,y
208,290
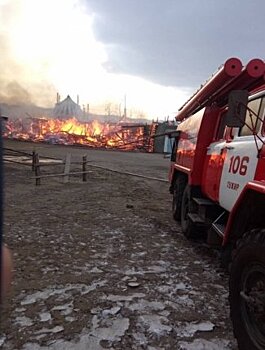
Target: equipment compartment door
x,y
213,171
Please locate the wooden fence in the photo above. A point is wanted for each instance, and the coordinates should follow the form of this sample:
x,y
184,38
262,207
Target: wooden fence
x,y
36,166
36,162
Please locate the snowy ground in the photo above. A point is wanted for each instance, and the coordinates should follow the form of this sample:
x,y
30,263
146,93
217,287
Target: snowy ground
x,y
101,264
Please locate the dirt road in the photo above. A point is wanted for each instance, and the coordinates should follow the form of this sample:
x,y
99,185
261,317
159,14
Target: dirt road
x,y
102,265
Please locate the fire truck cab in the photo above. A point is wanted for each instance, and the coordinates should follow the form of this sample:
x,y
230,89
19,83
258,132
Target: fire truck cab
x,y
217,179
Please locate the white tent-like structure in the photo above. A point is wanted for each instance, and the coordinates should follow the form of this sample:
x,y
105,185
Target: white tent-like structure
x,y
67,109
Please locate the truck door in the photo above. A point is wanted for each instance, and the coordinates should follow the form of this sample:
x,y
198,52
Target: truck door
x,y
214,162
241,156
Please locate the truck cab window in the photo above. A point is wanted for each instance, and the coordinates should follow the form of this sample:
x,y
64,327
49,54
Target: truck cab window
x,y
220,134
174,150
257,106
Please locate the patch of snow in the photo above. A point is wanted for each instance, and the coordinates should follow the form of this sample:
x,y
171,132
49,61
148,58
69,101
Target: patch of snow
x,y
39,337
95,310
65,309
132,271
60,291
156,324
56,329
156,269
189,329
86,342
45,316
202,344
147,305
164,313
93,286
126,278
124,297
181,286
116,330
184,300
139,254
20,309
174,287
113,311
43,295
96,270
24,321
2,339
140,338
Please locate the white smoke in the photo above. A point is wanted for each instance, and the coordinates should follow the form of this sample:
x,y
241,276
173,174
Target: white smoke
x,y
45,44
49,46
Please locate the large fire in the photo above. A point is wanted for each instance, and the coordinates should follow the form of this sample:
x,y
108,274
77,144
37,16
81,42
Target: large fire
x,y
72,131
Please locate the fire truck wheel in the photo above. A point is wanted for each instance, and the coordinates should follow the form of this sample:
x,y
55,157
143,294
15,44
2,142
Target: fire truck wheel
x,y
187,226
178,190
247,291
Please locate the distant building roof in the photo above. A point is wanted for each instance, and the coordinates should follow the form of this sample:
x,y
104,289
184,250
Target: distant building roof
x,y
67,109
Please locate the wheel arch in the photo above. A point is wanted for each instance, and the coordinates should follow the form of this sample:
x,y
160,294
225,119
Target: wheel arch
x,y
247,214
177,173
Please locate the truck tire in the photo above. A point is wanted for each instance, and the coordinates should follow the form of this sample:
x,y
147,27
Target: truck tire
x,y
187,226
178,190
247,291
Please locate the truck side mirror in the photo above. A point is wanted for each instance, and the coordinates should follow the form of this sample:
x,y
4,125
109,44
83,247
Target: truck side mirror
x,y
237,108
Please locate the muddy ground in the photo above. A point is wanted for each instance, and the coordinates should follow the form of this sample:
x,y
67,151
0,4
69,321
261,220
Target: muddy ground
x,y
102,265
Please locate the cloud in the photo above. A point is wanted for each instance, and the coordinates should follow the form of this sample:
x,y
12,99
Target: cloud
x,y
177,43
156,52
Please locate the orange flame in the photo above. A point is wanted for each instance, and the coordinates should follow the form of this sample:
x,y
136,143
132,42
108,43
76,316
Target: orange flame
x,y
72,131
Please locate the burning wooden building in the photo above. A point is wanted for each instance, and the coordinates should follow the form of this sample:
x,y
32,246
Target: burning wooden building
x,y
122,136
66,127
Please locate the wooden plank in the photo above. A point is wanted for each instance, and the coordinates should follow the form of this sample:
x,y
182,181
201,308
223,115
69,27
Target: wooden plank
x,y
67,168
33,160
37,169
62,174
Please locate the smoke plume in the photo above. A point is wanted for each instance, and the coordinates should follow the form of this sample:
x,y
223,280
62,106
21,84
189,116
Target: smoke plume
x,y
19,83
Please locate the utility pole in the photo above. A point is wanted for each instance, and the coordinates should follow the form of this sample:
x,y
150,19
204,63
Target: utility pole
x,y
125,108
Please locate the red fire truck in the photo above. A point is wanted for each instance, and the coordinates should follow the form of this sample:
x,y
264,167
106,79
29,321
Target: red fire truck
x,y
217,179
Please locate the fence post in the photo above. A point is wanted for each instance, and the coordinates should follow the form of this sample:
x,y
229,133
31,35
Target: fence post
x,y
67,168
84,167
33,160
37,169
